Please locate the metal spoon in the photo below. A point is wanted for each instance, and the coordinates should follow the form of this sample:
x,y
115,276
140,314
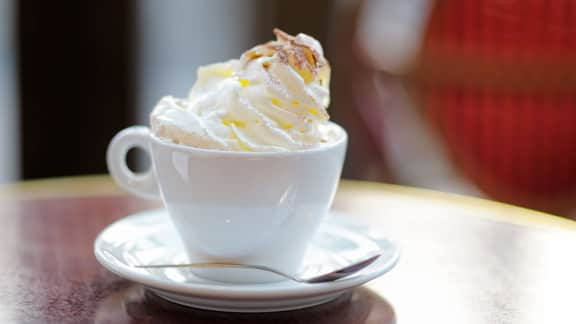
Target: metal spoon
x,y
327,277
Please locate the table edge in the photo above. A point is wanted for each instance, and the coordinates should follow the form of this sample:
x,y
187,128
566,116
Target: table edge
x,y
503,212
102,185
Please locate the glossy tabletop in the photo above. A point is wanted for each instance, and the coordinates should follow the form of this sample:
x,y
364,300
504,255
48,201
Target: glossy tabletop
x,y
464,260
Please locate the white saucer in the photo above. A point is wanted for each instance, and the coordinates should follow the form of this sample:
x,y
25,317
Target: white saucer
x,y
148,237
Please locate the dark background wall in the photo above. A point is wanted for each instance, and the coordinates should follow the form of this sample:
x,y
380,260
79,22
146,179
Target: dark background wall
x,y
76,83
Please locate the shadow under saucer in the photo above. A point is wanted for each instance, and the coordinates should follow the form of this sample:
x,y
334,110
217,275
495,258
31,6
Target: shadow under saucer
x,y
134,304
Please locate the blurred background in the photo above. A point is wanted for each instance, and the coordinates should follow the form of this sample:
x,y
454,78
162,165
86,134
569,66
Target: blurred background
x,y
473,97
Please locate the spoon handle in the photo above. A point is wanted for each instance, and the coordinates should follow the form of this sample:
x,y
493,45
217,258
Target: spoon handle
x,y
327,277
218,265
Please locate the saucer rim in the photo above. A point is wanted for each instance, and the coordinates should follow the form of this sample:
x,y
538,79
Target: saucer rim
x,y
254,291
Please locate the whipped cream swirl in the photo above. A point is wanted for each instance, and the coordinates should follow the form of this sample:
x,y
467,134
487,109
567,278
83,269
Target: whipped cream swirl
x,y
273,98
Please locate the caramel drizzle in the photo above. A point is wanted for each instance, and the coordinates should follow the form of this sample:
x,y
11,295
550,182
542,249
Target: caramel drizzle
x,y
304,59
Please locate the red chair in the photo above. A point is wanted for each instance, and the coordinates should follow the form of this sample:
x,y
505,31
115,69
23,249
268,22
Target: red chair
x,y
498,78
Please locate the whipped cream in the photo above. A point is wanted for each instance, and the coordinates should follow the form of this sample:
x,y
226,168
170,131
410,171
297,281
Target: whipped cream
x,y
274,98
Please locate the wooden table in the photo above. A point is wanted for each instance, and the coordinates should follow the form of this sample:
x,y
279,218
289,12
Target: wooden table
x,y
463,260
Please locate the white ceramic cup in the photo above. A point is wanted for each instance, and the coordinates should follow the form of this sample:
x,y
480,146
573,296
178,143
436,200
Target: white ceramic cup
x,y
242,207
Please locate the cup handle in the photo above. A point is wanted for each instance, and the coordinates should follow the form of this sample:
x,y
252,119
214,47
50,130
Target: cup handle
x,y
140,184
